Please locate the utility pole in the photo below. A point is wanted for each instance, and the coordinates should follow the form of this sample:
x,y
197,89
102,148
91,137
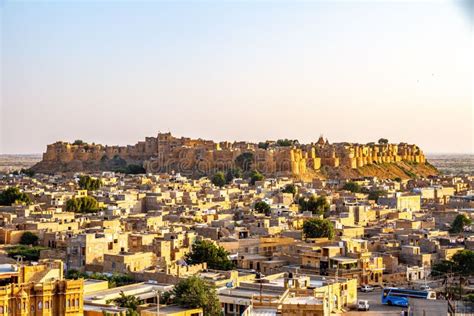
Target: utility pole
x,y
157,302
260,279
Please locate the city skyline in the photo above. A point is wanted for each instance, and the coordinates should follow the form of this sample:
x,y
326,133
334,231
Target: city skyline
x,y
115,72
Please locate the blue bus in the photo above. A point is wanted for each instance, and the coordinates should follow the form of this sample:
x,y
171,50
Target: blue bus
x,y
399,297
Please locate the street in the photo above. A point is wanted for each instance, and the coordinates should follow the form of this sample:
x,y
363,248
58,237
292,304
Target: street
x,y
376,307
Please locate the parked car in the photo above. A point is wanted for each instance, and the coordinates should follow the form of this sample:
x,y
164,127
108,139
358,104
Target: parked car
x,y
363,305
425,287
366,288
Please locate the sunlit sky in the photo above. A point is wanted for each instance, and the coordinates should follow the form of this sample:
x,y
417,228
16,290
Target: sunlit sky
x,y
114,72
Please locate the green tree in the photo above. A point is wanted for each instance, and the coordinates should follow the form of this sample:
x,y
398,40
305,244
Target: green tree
x,y
134,169
115,280
29,238
118,164
130,302
464,262
461,263
27,252
383,141
74,274
218,179
193,292
318,205
88,183
459,223
245,161
286,142
442,267
232,174
13,195
86,204
375,194
256,176
78,142
354,187
318,228
263,145
289,188
206,251
262,207
30,173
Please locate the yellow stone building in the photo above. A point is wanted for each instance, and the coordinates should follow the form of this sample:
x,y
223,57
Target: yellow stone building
x,y
39,290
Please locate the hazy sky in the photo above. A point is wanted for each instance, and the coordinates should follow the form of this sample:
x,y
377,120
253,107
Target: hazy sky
x,y
114,72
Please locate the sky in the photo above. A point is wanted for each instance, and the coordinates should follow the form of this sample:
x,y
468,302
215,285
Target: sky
x,y
114,72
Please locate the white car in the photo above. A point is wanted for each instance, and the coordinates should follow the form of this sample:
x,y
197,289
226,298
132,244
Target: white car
x,y
366,288
363,305
425,288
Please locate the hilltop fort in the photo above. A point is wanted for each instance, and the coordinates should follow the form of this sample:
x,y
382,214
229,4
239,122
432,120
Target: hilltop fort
x,y
195,157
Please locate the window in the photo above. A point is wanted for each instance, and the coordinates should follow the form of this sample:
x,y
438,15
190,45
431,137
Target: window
x,y
40,305
1,309
46,304
77,302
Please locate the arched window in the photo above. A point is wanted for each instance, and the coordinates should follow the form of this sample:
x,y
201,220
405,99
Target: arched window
x,y
40,305
46,304
1,309
67,303
32,308
77,302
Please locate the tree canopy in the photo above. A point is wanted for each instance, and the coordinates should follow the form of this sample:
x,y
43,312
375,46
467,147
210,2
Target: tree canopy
x,y
459,223
206,251
193,292
88,183
354,187
317,205
29,238
286,142
231,174
262,207
318,228
86,204
375,194
130,302
114,280
78,142
383,141
13,195
218,179
462,263
256,176
27,252
134,169
289,188
245,161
